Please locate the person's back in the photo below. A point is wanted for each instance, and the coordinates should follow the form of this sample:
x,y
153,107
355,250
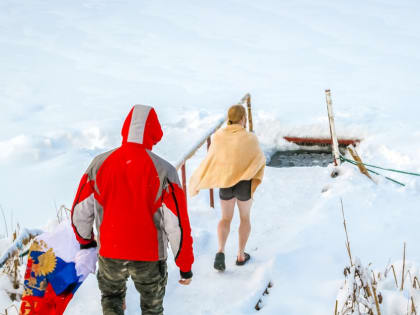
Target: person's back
x,y
128,185
138,206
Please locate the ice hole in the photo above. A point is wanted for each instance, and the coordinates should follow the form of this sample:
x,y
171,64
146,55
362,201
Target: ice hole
x,y
307,154
302,157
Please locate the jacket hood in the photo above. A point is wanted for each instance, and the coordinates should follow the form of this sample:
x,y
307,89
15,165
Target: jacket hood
x,y
142,126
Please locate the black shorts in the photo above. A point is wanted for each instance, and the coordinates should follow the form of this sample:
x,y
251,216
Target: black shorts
x,y
241,191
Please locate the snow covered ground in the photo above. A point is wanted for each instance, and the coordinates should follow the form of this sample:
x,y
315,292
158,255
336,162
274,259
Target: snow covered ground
x,y
71,71
297,241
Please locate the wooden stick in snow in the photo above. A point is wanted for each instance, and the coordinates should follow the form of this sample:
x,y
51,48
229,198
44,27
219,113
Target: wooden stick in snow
x,y
336,152
360,165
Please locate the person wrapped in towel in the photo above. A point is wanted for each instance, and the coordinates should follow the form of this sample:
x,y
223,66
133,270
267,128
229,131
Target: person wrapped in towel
x,y
234,163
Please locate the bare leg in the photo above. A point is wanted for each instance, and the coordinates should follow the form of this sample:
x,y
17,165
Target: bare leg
x,y
244,227
223,228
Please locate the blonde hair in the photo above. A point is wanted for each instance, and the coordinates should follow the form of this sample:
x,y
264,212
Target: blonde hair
x,y
235,114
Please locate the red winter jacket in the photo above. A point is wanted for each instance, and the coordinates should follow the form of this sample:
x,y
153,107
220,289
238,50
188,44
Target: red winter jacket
x,y
135,199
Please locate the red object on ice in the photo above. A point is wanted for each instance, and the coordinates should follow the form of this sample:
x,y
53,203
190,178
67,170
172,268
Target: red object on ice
x,y
298,140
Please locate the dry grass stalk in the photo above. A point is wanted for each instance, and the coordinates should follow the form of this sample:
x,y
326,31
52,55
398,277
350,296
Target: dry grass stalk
x,y
361,295
374,277
395,275
15,253
5,222
376,299
409,274
416,283
360,298
6,311
12,262
11,269
347,235
336,305
403,270
62,213
413,307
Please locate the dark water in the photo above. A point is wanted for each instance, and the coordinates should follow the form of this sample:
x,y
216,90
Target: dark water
x,y
301,158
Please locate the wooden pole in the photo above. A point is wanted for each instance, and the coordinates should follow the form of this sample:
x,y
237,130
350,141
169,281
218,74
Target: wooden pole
x,y
336,152
184,182
211,189
248,105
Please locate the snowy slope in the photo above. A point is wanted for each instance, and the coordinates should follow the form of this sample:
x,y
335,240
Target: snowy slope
x,y
297,242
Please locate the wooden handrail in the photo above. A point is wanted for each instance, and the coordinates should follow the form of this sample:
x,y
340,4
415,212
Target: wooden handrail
x,y
198,145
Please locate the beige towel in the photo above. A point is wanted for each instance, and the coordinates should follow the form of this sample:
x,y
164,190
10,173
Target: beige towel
x,y
234,155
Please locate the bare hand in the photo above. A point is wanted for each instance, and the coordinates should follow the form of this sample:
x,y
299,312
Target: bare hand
x,y
185,281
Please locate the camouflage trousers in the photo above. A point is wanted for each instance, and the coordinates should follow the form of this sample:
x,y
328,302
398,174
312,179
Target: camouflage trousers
x,y
149,278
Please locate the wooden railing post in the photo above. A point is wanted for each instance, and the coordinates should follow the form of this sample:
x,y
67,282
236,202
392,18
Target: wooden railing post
x,y
184,182
248,105
247,99
335,149
211,189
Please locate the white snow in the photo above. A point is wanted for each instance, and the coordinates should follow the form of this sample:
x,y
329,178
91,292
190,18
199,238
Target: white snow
x,y
71,72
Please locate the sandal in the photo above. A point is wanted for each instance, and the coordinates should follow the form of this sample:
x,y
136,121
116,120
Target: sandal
x,y
219,262
241,263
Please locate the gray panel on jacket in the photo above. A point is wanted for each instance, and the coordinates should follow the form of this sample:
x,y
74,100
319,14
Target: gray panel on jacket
x,y
165,172
94,166
162,238
138,123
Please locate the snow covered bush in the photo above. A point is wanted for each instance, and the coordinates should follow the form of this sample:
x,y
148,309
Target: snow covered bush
x,y
12,268
358,294
396,291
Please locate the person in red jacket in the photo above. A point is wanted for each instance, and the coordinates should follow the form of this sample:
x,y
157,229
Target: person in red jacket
x,y
138,206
